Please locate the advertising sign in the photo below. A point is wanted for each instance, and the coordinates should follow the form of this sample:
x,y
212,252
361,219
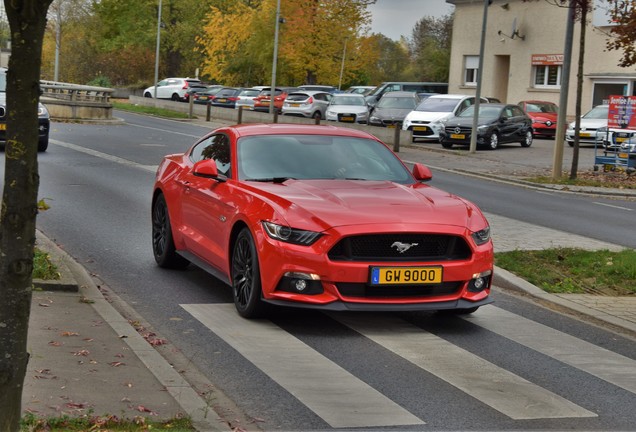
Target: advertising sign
x,y
622,112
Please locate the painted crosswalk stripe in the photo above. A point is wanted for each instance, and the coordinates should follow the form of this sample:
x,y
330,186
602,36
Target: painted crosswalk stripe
x,y
338,397
600,362
498,388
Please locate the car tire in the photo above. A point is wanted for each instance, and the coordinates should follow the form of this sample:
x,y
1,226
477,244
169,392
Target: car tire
x,y
571,143
527,139
43,144
246,277
316,116
493,141
175,97
446,145
162,241
147,95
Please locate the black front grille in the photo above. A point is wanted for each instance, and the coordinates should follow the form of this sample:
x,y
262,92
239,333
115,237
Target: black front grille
x,y
458,130
400,247
367,291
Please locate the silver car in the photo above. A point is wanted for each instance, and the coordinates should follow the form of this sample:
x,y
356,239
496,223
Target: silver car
x,y
348,108
593,127
246,98
311,104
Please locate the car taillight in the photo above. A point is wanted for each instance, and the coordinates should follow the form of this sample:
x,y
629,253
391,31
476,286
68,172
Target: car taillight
x,y
310,100
232,99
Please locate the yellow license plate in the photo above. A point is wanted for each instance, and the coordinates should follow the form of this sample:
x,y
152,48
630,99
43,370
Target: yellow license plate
x,y
346,119
620,139
585,134
420,128
405,275
623,155
221,100
458,136
3,126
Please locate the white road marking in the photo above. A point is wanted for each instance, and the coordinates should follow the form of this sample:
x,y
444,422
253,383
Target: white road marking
x,y
338,397
600,362
111,158
612,206
498,388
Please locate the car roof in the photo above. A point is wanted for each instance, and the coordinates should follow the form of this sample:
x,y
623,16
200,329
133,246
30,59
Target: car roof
x,y
251,129
308,92
449,96
400,94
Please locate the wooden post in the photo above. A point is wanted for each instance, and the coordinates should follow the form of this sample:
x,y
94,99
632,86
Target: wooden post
x,y
396,137
208,110
240,115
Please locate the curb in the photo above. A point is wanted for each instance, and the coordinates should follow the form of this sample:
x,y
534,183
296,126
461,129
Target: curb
x,y
203,416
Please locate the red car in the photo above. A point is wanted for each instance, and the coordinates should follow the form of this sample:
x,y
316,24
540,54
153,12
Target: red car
x,y
544,117
263,100
320,217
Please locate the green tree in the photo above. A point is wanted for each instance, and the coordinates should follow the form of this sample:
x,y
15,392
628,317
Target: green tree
x,y
27,21
430,48
387,60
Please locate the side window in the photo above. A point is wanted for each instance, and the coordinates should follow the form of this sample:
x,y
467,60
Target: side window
x,y
508,112
471,69
517,112
216,147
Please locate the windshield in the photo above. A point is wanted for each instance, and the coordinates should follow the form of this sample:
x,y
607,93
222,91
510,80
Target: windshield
x,y
275,157
539,107
485,111
432,104
397,102
598,112
348,100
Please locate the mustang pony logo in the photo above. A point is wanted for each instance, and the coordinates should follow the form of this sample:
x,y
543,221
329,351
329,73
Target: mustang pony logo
x,y
403,247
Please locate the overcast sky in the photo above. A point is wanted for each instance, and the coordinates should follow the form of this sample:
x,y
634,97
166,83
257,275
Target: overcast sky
x,y
395,18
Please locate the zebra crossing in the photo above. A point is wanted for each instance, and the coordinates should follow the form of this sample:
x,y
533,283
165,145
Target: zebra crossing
x,y
344,401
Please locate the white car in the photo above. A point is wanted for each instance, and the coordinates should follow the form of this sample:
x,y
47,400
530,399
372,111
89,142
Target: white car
x,y
306,103
348,108
593,128
246,98
173,88
426,120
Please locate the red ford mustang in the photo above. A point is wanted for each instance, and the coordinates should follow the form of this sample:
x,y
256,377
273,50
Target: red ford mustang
x,y
320,217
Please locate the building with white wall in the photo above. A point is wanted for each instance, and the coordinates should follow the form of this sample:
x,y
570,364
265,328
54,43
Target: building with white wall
x,y
523,53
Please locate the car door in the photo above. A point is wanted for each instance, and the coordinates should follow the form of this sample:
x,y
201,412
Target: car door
x,y
520,123
322,101
205,207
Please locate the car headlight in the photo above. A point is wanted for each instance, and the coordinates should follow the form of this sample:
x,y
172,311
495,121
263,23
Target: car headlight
x,y
288,234
42,111
482,128
602,129
482,236
330,113
375,119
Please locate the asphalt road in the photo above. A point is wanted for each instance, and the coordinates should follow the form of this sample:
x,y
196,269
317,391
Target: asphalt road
x,y
511,366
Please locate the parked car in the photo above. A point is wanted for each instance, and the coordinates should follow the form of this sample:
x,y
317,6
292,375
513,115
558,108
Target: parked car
x,y
416,87
307,103
322,88
262,101
44,121
226,97
192,90
305,216
246,98
205,95
363,90
497,124
392,108
544,116
426,121
593,130
348,108
623,140
173,88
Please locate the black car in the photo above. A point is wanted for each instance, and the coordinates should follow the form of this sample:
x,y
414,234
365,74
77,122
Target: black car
x,y
497,124
226,97
204,96
43,116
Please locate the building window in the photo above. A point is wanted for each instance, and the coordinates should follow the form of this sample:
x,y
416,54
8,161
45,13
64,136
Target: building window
x,y
471,68
547,76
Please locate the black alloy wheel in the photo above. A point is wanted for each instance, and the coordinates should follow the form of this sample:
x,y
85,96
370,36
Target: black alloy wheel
x,y
246,277
162,242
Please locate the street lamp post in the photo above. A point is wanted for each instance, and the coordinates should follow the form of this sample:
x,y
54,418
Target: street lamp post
x,y
273,88
157,51
344,55
480,70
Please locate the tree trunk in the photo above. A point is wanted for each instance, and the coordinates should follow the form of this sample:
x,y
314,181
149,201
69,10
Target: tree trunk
x,y
579,89
27,20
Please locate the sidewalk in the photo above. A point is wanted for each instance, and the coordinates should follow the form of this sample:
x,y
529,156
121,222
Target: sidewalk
x,y
88,359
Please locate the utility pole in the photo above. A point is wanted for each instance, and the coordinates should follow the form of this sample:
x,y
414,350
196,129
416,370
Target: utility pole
x,y
157,51
273,87
473,134
557,161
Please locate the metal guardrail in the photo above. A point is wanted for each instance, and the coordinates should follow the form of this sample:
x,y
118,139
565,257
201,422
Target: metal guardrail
x,y
75,92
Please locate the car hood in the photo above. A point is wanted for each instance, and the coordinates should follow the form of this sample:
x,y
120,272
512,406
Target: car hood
x,y
468,121
428,116
591,124
322,204
347,109
543,117
391,113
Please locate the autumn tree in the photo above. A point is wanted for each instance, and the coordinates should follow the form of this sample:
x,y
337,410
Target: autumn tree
x,y
623,13
430,48
27,20
386,60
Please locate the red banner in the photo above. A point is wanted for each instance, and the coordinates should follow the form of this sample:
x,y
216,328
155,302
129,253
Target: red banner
x,y
622,112
547,59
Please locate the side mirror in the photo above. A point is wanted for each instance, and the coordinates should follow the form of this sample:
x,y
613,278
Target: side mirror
x,y
206,168
421,172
